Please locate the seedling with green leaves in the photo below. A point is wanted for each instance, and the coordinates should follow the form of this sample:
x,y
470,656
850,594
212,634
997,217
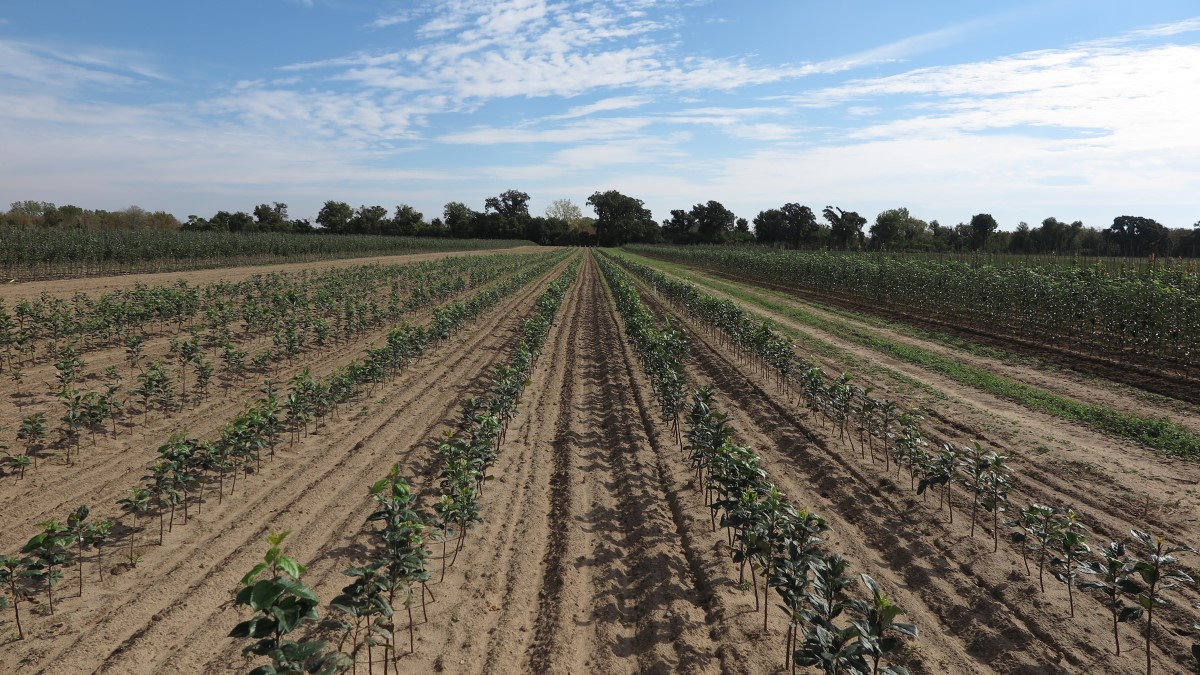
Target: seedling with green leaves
x,y
49,549
282,604
877,625
1115,570
1069,549
11,571
1159,571
33,432
1038,530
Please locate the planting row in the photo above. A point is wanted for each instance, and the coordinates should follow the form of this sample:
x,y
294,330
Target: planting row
x,y
364,614
332,304
41,253
1053,536
159,387
1148,317
777,541
188,470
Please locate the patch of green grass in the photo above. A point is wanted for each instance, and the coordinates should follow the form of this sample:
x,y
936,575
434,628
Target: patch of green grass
x,y
1159,433
806,341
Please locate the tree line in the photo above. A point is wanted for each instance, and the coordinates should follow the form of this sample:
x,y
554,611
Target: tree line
x,y
621,219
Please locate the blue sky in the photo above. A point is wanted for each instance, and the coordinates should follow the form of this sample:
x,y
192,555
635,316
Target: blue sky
x,y
1065,108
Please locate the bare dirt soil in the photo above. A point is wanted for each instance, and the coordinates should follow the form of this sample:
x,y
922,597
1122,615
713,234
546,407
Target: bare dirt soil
x,y
596,554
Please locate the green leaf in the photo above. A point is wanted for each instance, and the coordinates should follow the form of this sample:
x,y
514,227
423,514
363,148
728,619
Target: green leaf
x,y
250,576
1129,614
265,593
290,567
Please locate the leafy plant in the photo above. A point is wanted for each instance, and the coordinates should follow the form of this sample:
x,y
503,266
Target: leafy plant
x,y
11,570
876,625
1069,549
1114,569
282,603
1160,572
49,551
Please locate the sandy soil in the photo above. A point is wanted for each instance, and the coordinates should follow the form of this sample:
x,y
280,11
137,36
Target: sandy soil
x,y
596,554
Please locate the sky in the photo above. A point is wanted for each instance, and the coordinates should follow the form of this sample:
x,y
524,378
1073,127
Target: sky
x,y
1076,109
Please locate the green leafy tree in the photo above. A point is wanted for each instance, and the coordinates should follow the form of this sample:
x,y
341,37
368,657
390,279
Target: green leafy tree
x,y
621,219
282,604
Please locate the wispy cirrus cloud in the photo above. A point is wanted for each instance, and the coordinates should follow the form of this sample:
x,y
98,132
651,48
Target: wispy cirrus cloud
x,y
57,67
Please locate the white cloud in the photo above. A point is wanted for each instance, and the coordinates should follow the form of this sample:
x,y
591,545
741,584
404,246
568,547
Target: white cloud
x,y
588,130
603,105
389,20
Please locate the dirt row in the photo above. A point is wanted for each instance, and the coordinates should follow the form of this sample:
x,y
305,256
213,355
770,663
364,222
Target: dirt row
x,y
116,463
172,613
978,610
579,565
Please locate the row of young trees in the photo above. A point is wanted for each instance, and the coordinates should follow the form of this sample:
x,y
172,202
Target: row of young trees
x,y
779,543
1146,316
300,312
1053,536
187,470
362,618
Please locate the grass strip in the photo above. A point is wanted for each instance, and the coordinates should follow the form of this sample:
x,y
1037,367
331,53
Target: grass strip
x,y
1158,433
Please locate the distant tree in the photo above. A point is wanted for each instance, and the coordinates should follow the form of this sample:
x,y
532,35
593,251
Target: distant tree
x,y
370,220
896,229
845,227
565,210
407,221
679,225
271,218
621,219
771,227
981,228
510,204
1022,240
224,221
887,228
459,220
197,224
802,226
511,214
713,221
1137,235
335,217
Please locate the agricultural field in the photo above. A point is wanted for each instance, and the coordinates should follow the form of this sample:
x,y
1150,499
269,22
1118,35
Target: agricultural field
x,y
569,461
